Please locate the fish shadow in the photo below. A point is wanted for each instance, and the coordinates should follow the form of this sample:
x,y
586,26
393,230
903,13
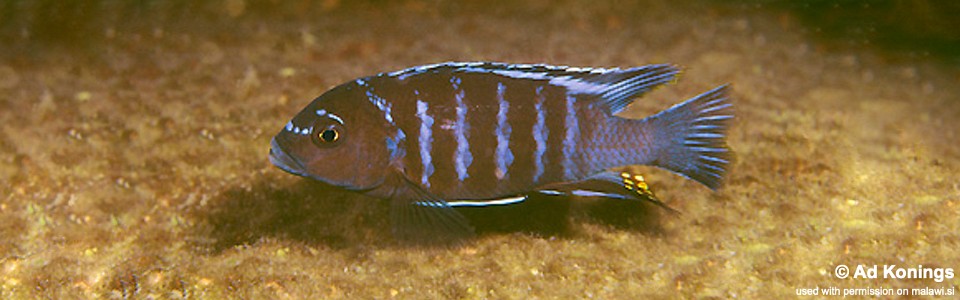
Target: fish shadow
x,y
555,216
322,215
640,217
306,211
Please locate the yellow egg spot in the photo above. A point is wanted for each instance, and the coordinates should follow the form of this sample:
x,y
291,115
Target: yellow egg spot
x,y
625,175
638,178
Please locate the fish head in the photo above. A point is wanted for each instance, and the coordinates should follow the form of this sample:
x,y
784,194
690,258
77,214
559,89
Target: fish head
x,y
337,139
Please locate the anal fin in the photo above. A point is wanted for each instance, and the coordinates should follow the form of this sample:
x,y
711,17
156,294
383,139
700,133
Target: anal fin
x,y
623,185
488,202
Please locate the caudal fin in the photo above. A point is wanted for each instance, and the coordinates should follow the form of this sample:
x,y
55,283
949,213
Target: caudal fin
x,y
691,137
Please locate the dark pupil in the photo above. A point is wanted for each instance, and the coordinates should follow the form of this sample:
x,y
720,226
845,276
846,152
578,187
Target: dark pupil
x,y
328,135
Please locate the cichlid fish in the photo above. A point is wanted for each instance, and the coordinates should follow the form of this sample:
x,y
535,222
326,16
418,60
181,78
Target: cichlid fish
x,y
434,137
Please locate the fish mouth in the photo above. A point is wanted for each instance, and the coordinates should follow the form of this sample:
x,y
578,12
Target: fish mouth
x,y
291,165
283,161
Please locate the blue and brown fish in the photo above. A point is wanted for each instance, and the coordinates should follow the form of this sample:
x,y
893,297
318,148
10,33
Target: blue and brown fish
x,y
434,137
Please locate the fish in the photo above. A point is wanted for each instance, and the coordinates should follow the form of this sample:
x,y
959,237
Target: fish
x,y
466,134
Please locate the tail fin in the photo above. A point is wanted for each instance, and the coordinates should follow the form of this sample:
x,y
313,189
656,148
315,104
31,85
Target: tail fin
x,y
691,137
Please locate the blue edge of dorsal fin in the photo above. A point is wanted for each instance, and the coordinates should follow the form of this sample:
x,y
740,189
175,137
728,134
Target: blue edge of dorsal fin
x,y
613,88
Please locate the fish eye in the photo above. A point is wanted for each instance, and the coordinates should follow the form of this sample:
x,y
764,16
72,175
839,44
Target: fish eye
x,y
329,136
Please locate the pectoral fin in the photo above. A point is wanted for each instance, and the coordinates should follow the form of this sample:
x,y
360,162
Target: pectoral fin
x,y
420,217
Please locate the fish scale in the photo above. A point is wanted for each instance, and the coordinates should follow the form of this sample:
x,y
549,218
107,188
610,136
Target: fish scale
x,y
477,134
482,138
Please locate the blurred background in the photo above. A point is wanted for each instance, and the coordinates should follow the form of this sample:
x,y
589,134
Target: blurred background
x,y
911,28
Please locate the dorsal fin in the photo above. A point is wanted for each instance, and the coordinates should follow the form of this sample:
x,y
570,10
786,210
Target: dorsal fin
x,y
616,89
613,88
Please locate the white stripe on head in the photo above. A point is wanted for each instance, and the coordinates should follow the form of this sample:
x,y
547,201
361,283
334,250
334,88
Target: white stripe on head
x,y
336,118
290,127
324,113
382,104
